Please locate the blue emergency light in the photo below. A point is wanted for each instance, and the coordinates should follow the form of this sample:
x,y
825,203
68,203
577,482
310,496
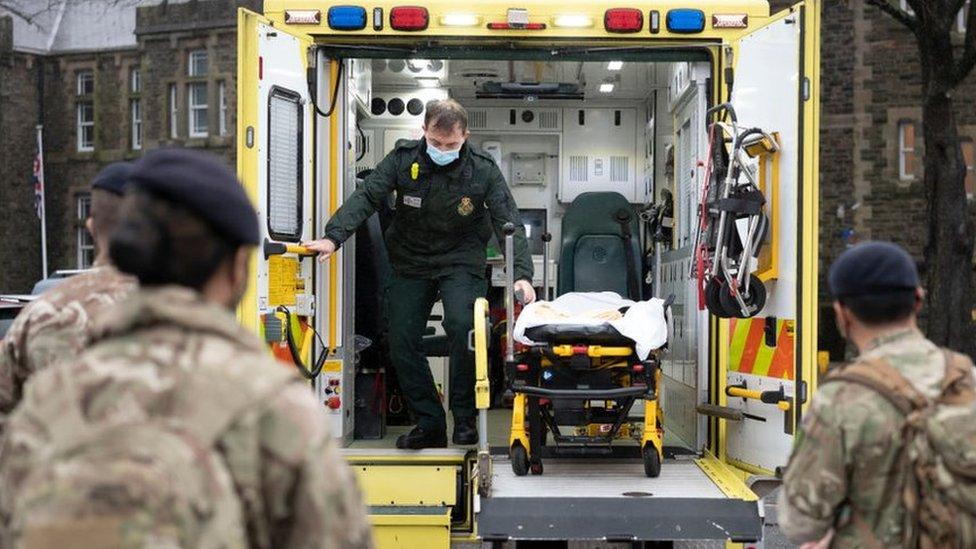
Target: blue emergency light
x,y
347,18
686,21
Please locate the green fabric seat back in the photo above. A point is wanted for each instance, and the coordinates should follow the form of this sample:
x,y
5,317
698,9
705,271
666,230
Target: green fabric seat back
x,y
593,252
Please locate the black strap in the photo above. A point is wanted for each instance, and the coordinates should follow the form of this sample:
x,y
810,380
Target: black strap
x,y
623,217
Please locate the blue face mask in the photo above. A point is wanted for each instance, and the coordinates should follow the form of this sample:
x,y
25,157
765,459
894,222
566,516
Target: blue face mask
x,y
442,158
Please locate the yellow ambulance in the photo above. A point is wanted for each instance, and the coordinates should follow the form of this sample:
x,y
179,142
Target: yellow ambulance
x,y
568,97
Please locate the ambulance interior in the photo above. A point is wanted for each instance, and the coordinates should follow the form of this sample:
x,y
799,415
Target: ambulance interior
x,y
556,128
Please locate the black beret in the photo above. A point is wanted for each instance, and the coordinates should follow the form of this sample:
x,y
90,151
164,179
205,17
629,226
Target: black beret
x,y
113,178
873,268
204,185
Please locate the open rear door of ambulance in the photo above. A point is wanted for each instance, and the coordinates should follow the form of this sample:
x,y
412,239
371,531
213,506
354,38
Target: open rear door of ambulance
x,y
775,87
274,161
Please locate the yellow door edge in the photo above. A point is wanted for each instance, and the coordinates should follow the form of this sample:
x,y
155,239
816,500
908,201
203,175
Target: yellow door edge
x,y
726,478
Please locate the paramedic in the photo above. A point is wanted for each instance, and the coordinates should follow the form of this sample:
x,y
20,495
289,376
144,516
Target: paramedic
x,y
844,479
220,446
450,197
57,325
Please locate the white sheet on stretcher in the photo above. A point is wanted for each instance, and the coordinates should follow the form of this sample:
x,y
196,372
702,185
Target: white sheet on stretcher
x,y
644,322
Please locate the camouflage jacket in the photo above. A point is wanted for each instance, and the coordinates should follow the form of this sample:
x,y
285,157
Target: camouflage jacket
x,y
55,326
843,473
164,353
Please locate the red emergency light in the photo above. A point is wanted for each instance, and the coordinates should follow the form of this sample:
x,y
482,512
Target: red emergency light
x,y
622,20
409,18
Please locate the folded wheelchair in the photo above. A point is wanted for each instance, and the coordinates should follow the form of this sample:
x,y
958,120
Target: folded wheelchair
x,y
576,385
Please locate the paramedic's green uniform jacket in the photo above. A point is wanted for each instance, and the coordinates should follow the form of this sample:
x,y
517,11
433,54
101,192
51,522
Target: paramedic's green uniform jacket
x,y
444,218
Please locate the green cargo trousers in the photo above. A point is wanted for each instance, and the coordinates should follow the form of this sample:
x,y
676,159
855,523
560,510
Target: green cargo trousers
x,y
410,301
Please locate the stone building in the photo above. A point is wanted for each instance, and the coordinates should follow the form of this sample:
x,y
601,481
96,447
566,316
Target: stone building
x,y
106,82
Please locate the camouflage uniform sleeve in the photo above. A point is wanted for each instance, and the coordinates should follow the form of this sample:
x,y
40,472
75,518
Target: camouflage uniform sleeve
x,y
312,497
503,209
815,483
363,201
12,367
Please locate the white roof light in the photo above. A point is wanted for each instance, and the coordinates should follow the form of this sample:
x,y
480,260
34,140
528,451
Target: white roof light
x,y
460,20
606,87
428,81
573,20
615,65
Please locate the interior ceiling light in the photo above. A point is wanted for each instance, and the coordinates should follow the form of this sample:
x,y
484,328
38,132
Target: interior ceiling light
x,y
606,87
573,21
615,65
428,81
460,20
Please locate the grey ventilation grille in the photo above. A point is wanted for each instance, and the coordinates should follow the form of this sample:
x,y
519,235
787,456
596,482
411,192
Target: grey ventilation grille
x,y
619,169
549,120
478,119
578,168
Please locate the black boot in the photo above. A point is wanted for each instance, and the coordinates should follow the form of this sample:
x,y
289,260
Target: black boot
x,y
419,438
465,432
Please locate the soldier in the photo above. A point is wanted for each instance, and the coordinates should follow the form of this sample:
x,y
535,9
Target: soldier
x,y
57,325
450,197
176,428
843,483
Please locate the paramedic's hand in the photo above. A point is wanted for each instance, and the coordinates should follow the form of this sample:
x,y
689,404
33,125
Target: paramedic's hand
x,y
528,292
324,247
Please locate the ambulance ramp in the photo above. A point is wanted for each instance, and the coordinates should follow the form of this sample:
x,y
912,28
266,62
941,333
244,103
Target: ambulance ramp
x,y
612,500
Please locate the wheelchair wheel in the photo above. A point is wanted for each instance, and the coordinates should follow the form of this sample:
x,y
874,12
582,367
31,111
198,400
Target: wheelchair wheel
x,y
755,300
652,461
520,460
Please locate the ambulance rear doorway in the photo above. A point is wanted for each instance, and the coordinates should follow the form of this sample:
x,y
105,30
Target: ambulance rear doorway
x,y
558,124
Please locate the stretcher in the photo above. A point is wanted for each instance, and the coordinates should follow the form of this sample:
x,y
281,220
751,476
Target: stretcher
x,y
581,364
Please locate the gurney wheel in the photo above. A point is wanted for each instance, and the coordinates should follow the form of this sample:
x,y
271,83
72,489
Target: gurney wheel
x,y
755,301
652,461
713,297
520,460
536,467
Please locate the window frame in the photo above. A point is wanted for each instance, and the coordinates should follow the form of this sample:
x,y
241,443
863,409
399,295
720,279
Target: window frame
x,y
81,125
174,112
135,80
278,91
192,108
83,239
192,70
79,90
222,108
135,117
903,174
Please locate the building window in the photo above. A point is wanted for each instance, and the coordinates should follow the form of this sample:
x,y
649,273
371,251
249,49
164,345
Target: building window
x,y
136,114
969,157
222,103
85,243
174,110
196,93
197,102
86,83
197,65
906,151
86,126
961,17
85,110
135,81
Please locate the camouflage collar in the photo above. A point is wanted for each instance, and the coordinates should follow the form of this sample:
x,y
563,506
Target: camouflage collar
x,y
174,306
892,337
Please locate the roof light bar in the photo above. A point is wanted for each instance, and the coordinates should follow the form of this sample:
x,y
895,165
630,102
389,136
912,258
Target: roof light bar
x,y
655,23
347,18
572,21
409,18
615,65
623,20
606,87
460,20
686,21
